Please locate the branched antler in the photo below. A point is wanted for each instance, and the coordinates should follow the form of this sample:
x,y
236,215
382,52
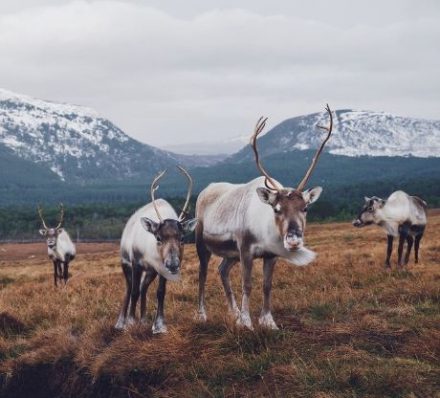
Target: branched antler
x,y
153,189
329,129
261,123
40,213
60,223
188,195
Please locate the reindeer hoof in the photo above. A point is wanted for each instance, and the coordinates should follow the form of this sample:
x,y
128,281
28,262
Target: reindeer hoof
x,y
159,327
235,313
266,321
120,325
244,320
200,316
129,322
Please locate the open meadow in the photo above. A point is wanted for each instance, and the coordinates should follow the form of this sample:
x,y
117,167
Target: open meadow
x,y
347,327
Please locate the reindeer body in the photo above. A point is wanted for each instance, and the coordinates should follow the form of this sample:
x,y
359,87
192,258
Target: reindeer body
x,y
401,215
152,245
232,215
64,250
139,246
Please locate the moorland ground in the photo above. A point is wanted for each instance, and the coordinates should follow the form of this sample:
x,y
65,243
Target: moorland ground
x,y
347,327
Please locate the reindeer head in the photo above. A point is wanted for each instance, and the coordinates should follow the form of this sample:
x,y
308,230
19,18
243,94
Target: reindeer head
x,y
170,233
289,205
368,214
51,234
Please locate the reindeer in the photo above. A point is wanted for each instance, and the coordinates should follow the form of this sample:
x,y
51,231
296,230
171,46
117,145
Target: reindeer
x,y
400,215
60,247
260,219
151,245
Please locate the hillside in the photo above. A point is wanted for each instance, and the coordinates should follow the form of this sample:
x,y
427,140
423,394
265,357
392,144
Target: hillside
x,y
77,144
347,328
51,152
355,133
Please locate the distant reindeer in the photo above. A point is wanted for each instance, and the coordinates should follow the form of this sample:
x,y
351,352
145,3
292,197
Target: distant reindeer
x,y
400,215
152,244
259,219
60,248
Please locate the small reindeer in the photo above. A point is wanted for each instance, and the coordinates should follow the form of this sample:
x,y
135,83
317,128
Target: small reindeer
x,y
259,219
400,215
60,247
151,245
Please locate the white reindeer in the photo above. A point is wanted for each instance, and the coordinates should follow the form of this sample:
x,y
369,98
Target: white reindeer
x,y
151,245
60,247
260,219
400,215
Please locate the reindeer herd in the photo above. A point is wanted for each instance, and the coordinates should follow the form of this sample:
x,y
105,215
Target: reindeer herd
x,y
239,223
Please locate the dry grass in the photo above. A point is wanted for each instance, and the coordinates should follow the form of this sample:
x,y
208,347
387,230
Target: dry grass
x,y
348,328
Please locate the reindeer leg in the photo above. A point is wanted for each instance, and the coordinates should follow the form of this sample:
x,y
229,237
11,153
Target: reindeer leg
x,y
246,263
204,256
409,241
136,273
126,268
389,250
150,276
159,322
402,238
55,273
59,271
266,319
416,247
65,271
224,269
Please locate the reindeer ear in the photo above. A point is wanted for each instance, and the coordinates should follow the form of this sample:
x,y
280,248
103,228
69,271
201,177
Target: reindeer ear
x,y
312,195
42,232
189,225
59,230
267,196
150,225
367,199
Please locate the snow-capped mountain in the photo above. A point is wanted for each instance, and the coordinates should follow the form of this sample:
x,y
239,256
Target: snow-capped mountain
x,y
355,133
76,143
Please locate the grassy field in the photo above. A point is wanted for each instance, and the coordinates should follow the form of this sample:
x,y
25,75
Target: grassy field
x,y
347,327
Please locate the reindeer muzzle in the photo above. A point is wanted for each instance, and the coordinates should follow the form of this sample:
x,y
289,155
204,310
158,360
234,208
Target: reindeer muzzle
x,y
357,223
173,266
293,242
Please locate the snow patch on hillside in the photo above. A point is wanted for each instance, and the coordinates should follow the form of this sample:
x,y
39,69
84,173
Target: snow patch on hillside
x,y
358,133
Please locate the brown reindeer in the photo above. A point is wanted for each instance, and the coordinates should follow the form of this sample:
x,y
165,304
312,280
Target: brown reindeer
x,y
259,219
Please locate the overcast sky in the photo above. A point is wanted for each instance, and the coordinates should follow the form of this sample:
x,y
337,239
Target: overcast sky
x,y
182,71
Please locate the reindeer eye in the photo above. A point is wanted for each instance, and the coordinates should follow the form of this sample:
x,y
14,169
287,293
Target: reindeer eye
x,y
305,209
277,209
370,209
159,240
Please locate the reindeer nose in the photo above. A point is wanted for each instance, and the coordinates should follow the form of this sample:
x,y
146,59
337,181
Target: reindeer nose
x,y
357,223
172,265
295,233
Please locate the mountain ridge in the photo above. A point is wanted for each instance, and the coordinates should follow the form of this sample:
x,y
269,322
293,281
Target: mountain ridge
x,y
355,133
77,144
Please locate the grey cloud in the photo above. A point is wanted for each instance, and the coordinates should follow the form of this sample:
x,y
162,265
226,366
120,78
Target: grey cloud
x,y
168,73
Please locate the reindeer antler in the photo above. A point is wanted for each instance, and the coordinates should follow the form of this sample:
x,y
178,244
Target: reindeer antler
x,y
329,129
60,223
188,195
153,189
40,213
261,123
